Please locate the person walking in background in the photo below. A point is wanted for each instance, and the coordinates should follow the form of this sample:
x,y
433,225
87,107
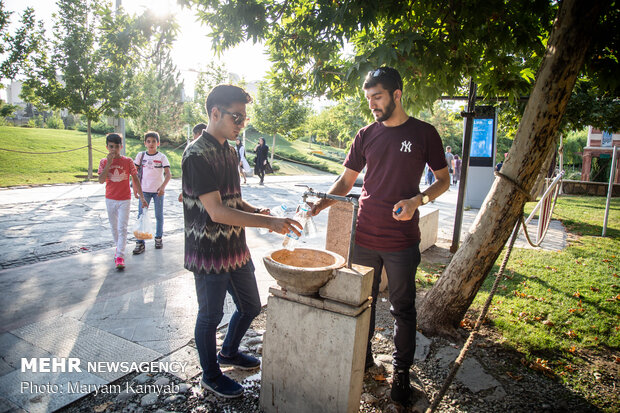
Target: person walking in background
x,y
243,162
114,171
262,154
456,166
394,149
499,165
154,173
430,176
449,159
216,251
197,131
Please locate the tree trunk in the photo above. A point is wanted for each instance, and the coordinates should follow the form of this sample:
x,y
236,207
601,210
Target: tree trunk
x,y
273,149
446,303
90,151
543,174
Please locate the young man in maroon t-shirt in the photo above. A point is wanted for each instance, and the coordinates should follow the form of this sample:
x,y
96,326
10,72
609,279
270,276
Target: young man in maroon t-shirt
x,y
394,149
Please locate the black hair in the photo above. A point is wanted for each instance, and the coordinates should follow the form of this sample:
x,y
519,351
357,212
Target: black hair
x,y
226,95
151,134
199,128
388,77
113,138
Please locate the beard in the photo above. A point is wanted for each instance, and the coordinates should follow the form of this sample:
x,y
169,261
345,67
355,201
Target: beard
x,y
387,113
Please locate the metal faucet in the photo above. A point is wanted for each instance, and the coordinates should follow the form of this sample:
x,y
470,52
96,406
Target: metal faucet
x,y
350,199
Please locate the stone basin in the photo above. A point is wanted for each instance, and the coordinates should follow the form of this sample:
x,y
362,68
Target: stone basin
x,y
303,270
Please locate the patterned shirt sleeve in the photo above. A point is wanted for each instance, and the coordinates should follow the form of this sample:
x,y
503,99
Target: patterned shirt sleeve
x,y
199,177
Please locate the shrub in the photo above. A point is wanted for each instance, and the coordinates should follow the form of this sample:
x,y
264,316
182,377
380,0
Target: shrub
x,y
54,122
35,122
101,127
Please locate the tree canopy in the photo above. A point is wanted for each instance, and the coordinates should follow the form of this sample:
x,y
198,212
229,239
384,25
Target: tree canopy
x,y
273,114
160,89
336,125
326,47
16,48
90,64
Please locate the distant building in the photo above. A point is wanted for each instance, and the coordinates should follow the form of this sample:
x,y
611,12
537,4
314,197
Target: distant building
x,y
600,145
12,94
26,110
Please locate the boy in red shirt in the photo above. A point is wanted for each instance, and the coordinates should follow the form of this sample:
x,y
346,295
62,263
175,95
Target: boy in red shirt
x,y
115,171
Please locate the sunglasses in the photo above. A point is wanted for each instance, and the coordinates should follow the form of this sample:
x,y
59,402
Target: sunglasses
x,y
238,118
383,72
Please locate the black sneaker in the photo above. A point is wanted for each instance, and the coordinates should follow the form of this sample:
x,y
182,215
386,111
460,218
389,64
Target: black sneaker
x,y
158,243
223,386
401,387
139,248
241,361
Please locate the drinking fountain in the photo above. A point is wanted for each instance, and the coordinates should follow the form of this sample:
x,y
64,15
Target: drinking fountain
x,y
316,335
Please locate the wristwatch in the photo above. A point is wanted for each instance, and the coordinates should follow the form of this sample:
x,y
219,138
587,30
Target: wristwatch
x,y
425,198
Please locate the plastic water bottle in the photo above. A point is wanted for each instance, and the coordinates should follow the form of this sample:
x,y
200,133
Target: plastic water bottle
x,y
310,228
302,216
279,211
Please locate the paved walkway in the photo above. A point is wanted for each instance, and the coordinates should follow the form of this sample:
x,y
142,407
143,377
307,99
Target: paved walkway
x,y
62,297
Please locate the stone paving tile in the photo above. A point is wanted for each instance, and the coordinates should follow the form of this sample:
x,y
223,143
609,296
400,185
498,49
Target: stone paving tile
x,y
13,348
49,222
31,391
168,343
5,368
8,407
66,337
187,354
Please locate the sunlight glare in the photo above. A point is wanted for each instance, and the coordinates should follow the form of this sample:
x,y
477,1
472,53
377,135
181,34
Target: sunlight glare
x,y
159,8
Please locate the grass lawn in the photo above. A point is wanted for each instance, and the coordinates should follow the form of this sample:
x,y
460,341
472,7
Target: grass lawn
x,y
558,308
300,151
32,169
35,169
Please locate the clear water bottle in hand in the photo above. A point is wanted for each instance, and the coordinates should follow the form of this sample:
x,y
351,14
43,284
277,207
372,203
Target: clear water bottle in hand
x,y
279,211
302,216
310,228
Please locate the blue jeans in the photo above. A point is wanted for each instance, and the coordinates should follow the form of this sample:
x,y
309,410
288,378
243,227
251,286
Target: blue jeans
x,y
400,267
159,212
211,292
430,177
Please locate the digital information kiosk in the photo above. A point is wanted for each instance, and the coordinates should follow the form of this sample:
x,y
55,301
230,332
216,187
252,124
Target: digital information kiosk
x,y
480,175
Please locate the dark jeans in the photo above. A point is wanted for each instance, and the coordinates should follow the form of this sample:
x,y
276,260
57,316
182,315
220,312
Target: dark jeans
x,y
211,292
401,267
260,172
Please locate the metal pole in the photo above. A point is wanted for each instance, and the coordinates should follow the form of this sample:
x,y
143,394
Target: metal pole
x,y
610,188
469,124
352,239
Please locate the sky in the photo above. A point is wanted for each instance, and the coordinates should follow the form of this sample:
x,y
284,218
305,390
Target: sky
x,y
247,60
